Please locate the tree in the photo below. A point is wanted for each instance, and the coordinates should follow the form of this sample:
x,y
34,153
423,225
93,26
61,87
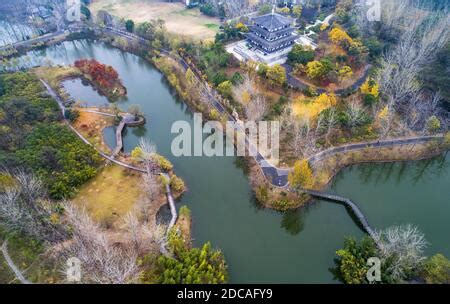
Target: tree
x,y
351,262
345,72
106,260
402,248
315,69
339,37
129,25
370,87
301,176
436,270
135,110
300,55
297,11
256,108
276,75
354,115
419,40
23,208
284,10
62,160
433,124
191,266
241,27
265,9
226,89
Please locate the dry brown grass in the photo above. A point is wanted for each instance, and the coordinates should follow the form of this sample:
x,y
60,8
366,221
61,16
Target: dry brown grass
x,y
178,19
111,195
91,126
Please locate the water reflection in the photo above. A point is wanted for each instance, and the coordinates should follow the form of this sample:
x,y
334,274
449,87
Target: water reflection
x,y
292,221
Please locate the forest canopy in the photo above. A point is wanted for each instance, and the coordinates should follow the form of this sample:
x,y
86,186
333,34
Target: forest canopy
x,y
31,135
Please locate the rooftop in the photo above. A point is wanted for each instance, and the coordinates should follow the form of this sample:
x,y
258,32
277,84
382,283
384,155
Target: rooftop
x,y
272,21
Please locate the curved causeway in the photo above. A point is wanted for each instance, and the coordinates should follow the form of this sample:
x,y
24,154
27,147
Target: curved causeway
x,y
348,203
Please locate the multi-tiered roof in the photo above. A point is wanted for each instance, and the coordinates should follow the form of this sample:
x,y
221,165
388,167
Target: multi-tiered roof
x,y
271,32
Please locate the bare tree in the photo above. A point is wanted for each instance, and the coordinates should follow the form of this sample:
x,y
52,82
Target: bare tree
x,y
422,37
23,208
355,112
257,108
102,261
304,137
402,249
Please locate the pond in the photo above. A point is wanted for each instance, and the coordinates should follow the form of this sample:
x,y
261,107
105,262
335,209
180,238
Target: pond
x,y
264,246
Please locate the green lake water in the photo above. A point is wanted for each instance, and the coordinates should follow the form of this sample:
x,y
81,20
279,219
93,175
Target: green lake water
x,y
263,246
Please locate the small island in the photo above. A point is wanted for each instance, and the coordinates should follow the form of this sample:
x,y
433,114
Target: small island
x,y
102,77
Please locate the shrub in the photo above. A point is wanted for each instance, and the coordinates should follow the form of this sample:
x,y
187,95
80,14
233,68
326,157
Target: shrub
x,y
72,114
177,184
60,158
351,263
191,266
433,124
436,270
163,163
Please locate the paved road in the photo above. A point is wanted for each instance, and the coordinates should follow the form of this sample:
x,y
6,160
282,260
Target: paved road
x,y
42,38
13,266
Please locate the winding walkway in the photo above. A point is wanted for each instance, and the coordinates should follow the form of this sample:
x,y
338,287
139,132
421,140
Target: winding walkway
x,y
277,176
300,85
170,199
11,264
348,203
104,155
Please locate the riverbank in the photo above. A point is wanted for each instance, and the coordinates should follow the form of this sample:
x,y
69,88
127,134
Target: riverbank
x,y
269,195
326,167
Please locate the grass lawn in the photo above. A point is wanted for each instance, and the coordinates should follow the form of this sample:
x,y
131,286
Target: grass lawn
x,y
111,195
178,19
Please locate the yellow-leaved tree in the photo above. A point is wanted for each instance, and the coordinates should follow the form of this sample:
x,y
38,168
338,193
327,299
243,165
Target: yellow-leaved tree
x,y
276,75
345,72
297,11
370,87
315,69
339,37
301,177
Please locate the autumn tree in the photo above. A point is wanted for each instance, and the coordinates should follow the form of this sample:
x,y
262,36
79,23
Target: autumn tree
x,y
301,176
436,270
226,88
314,69
276,75
345,72
339,37
433,124
297,11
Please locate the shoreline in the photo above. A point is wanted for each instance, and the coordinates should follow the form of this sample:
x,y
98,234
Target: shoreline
x,y
176,69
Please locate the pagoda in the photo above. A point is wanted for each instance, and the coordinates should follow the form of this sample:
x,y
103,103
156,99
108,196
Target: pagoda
x,y
271,33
